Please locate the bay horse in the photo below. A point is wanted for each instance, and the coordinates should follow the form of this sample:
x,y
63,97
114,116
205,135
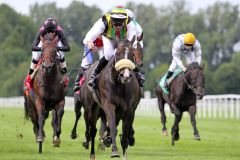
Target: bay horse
x,y
118,96
48,93
184,91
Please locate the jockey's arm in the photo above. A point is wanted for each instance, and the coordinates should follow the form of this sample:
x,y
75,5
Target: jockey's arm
x,y
97,29
198,52
131,30
65,47
176,53
36,42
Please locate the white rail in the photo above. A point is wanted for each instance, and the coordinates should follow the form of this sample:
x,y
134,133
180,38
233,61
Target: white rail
x,y
211,106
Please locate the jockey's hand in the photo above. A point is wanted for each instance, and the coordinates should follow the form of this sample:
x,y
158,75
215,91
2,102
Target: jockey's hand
x,y
90,45
184,69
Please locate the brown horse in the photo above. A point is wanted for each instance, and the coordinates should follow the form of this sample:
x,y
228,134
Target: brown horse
x,y
48,93
119,94
184,91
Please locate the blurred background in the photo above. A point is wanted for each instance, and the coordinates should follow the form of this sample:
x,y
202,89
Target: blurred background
x,y
216,25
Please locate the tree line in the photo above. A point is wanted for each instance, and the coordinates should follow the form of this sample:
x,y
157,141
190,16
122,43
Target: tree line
x,y
216,27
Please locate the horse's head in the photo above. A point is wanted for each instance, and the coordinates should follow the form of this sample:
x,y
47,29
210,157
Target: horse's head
x,y
138,56
194,77
49,50
124,58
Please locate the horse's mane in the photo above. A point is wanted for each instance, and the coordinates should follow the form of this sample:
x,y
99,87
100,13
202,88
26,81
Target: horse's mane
x,y
194,65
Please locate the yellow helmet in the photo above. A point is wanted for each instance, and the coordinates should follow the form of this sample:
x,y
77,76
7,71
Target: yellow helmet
x,y
189,38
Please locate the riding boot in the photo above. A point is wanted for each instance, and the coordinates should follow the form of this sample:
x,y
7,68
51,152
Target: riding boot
x,y
140,76
101,64
79,76
169,74
28,80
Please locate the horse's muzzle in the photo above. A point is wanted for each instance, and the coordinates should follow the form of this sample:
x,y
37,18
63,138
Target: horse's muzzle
x,y
125,75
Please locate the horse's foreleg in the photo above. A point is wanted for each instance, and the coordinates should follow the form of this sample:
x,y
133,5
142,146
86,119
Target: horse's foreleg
x,y
126,128
192,112
40,112
85,143
77,110
59,112
93,131
175,128
111,119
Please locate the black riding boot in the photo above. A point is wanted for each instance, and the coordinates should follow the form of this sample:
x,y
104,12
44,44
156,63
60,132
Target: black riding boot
x,y
140,76
101,64
169,74
79,76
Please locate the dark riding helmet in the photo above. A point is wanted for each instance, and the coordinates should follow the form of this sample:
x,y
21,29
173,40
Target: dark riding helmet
x,y
118,15
50,25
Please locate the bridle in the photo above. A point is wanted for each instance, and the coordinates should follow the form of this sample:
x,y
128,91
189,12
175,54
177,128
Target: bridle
x,y
53,60
193,88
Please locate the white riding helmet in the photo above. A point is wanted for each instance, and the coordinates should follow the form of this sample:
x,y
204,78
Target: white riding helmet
x,y
130,13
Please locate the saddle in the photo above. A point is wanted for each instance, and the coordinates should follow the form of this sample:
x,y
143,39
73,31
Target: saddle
x,y
163,80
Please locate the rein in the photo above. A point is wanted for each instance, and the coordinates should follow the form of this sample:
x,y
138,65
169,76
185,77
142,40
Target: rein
x,y
191,86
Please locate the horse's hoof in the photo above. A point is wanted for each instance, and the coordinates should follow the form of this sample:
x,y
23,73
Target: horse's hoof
x,y
115,154
131,141
73,135
56,141
92,157
197,137
39,139
165,132
107,141
176,137
85,145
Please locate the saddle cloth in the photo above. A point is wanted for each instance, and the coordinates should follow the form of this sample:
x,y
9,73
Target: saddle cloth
x,y
163,79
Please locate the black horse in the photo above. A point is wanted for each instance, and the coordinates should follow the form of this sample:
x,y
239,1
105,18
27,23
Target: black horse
x,y
184,91
48,93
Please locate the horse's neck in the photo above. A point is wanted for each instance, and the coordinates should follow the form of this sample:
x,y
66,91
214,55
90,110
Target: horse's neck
x,y
52,75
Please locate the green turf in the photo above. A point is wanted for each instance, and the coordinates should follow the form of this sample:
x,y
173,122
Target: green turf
x,y
220,140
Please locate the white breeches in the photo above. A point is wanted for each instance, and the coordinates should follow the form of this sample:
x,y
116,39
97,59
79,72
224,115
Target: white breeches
x,y
108,47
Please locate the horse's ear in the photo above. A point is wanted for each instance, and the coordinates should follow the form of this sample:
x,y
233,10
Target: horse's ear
x,y
133,39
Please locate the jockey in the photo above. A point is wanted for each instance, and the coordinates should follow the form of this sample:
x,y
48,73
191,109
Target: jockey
x,y
113,26
139,31
50,26
187,45
88,60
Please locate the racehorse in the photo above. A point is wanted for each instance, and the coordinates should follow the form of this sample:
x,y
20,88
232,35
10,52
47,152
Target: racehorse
x,y
184,91
118,94
48,93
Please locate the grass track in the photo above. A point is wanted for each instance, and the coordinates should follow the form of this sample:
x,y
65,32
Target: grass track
x,y
220,140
